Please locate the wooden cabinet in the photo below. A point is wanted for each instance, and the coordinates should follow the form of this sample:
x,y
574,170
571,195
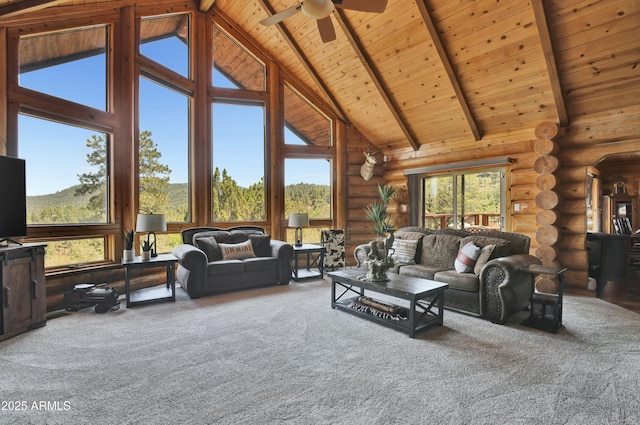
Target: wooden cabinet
x,y
619,206
23,289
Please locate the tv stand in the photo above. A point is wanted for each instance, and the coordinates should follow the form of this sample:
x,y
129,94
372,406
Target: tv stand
x,y
8,241
23,298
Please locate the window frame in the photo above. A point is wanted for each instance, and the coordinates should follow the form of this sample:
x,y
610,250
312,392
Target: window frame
x,y
45,106
419,200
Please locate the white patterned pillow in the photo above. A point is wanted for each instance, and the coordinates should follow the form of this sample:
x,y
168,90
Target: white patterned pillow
x,y
237,251
405,250
466,259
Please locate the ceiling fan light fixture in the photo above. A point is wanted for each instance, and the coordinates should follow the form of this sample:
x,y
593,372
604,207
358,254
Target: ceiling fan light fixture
x,y
317,9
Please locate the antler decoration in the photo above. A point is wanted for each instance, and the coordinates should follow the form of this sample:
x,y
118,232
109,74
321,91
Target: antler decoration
x,y
366,171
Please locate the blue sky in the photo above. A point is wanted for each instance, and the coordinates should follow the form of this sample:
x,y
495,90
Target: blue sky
x,y
58,150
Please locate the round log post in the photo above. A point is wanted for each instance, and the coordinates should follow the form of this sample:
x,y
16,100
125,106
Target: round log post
x,y
547,199
546,130
546,181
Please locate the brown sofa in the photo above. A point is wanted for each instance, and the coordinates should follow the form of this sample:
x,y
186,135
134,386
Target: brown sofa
x,y
207,264
493,288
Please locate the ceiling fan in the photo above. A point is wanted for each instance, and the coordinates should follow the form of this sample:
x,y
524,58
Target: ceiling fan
x,y
321,9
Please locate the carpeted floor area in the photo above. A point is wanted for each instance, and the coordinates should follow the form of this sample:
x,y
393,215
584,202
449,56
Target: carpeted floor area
x,y
281,355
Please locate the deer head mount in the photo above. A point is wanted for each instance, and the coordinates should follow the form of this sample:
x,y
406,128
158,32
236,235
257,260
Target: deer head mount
x,y
366,171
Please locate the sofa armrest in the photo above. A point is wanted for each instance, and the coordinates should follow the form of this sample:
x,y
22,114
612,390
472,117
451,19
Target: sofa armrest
x,y
504,288
192,270
361,253
284,253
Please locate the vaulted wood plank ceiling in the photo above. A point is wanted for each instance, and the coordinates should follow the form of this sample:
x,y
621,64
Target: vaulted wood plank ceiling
x,y
421,72
433,72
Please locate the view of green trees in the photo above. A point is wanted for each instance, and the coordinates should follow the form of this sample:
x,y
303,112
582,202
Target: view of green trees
x,y
85,203
477,194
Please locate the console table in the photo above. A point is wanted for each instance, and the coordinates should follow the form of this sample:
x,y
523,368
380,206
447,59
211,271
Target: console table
x,y
156,293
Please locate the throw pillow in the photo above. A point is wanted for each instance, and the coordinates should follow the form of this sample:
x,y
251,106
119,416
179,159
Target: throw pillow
x,y
405,250
261,245
209,246
502,249
485,255
237,251
466,258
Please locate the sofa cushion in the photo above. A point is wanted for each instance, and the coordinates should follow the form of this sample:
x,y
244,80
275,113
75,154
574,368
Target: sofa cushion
x,y
209,246
460,281
407,235
483,257
261,245
405,250
221,267
260,264
223,236
237,251
440,250
418,270
467,256
502,249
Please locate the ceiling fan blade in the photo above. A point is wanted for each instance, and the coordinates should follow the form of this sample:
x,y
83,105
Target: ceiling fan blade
x,y
327,32
374,6
280,16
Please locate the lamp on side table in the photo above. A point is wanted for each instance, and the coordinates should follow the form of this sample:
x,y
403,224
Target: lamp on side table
x,y
151,223
299,221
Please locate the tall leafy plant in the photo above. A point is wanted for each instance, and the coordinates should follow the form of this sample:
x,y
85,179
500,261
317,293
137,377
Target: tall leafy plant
x,y
377,211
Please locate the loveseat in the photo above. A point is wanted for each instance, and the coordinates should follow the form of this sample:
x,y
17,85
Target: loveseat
x,y
213,260
484,278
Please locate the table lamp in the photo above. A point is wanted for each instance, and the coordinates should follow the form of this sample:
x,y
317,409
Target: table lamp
x,y
151,223
299,221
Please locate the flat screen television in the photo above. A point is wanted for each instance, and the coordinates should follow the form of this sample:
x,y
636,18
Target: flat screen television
x,y
13,199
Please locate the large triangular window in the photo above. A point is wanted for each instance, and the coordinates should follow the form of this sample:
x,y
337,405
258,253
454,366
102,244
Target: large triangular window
x,y
165,39
233,66
303,123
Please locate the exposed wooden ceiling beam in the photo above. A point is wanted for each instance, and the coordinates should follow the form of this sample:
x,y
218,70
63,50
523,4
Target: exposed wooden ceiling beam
x,y
442,53
550,60
375,77
205,5
305,62
25,6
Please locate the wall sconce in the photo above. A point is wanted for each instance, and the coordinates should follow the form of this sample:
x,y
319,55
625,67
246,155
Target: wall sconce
x,y
299,221
151,223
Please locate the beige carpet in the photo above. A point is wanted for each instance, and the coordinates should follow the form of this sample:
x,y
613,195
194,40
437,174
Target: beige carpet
x,y
281,355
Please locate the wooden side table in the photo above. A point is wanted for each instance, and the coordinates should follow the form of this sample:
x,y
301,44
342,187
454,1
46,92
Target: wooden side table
x,y
156,293
315,259
545,309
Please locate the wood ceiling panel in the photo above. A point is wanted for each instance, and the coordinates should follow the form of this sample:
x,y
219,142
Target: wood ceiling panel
x,y
492,50
596,46
475,28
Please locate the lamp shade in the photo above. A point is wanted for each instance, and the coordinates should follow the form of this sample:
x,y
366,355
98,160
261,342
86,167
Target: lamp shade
x,y
151,223
299,220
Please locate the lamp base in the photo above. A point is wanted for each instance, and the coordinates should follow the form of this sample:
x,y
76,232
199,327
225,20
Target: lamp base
x,y
298,237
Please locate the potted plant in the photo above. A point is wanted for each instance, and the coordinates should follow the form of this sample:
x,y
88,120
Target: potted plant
x,y
377,212
380,258
128,254
146,249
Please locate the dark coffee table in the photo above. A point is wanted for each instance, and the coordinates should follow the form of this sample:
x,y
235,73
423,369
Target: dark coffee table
x,y
420,314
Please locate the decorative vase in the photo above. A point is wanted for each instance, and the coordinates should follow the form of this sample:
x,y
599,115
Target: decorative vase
x,y
377,270
128,254
146,255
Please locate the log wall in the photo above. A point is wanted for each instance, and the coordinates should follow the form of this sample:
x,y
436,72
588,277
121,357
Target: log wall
x,y
521,176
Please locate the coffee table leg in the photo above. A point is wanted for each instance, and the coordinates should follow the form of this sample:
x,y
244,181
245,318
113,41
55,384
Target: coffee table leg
x,y
333,293
412,319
